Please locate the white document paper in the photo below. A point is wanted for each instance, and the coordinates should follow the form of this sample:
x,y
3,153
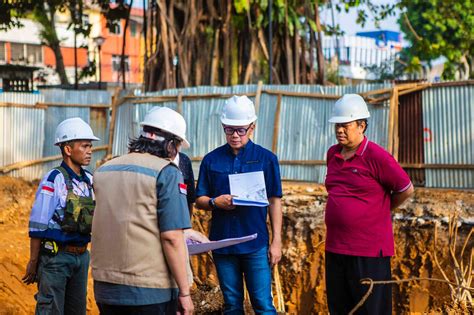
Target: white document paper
x,y
248,189
198,248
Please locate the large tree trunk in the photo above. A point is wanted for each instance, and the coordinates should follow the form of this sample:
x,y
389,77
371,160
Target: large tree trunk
x,y
288,52
319,45
46,19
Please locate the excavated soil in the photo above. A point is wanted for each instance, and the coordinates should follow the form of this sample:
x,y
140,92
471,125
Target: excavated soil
x,y
301,271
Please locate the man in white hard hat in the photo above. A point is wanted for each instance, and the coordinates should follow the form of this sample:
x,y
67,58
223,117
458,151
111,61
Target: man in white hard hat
x,y
251,260
140,262
364,183
60,225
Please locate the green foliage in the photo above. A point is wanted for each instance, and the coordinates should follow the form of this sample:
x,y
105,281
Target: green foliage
x,y
440,28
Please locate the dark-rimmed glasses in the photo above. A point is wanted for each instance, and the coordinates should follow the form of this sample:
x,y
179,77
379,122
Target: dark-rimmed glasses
x,y
240,131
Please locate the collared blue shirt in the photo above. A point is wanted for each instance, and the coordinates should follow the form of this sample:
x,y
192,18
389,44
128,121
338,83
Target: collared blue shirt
x,y
50,201
214,181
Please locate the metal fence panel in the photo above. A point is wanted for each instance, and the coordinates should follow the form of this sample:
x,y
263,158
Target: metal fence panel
x,y
448,114
22,137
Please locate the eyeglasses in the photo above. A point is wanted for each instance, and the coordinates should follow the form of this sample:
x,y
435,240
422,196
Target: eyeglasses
x,y
343,125
240,131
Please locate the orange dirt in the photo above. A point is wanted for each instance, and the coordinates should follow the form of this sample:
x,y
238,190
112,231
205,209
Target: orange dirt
x,y
302,267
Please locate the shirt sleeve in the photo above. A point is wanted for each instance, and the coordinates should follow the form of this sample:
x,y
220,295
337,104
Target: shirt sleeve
x,y
203,185
391,175
273,179
172,208
45,204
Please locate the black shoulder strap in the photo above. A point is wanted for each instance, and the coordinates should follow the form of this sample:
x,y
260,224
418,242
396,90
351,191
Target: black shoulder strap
x,y
67,178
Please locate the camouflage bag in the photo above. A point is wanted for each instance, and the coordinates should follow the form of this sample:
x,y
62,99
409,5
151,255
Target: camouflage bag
x,y
79,210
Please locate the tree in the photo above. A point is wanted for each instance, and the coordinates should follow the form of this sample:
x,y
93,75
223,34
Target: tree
x,y
440,28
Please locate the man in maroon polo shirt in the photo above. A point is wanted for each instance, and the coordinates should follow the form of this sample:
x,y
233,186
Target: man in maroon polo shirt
x,y
364,182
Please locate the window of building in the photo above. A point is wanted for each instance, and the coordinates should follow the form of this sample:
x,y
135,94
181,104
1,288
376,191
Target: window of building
x,y
17,52
116,63
115,27
133,28
85,20
34,54
2,52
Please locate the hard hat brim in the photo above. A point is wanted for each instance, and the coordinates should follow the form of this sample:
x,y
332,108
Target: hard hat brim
x,y
185,143
233,122
345,119
91,138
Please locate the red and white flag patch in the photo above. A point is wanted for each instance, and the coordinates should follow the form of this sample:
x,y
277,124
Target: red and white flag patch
x,y
48,190
183,188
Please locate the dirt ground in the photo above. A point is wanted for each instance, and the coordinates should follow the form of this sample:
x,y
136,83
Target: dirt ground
x,y
301,272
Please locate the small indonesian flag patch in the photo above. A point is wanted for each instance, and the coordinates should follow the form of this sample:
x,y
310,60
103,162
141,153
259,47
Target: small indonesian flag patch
x,y
183,188
45,189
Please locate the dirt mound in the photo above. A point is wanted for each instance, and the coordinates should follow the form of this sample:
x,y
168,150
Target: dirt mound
x,y
302,267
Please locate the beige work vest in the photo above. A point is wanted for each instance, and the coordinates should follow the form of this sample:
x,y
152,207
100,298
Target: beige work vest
x,y
126,247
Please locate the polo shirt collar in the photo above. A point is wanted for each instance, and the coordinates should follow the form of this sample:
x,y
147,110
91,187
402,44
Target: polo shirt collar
x,y
362,147
73,175
242,151
360,150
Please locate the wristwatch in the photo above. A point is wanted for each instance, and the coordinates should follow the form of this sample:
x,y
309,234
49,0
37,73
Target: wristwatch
x,y
212,203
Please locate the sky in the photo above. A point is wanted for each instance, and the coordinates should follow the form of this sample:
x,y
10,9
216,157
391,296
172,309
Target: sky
x,y
347,21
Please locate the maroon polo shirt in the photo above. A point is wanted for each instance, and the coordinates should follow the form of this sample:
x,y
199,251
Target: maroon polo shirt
x,y
358,219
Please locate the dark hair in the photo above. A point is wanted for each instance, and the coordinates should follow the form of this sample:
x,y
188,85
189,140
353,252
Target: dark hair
x,y
359,122
166,147
63,144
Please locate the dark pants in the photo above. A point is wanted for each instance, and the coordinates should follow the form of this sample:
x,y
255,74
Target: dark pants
x,y
343,287
166,308
62,284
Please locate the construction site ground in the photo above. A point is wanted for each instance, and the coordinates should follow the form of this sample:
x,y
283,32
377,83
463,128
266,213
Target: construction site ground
x,y
300,287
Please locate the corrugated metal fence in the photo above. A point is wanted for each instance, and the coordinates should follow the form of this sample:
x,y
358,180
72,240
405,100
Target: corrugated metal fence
x,y
292,122
29,122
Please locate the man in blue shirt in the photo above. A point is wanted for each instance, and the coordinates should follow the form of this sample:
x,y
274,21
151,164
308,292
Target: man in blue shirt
x,y
251,260
59,260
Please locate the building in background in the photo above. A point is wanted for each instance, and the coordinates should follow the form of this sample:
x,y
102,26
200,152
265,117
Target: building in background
x,y
21,49
111,49
357,52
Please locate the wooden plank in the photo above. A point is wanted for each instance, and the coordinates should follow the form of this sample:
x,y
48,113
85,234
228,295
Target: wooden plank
x,y
396,135
73,105
179,105
454,83
415,89
376,92
170,98
301,94
19,165
115,102
391,121
257,102
276,124
35,106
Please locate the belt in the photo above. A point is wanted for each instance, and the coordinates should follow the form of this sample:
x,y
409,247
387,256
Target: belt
x,y
73,249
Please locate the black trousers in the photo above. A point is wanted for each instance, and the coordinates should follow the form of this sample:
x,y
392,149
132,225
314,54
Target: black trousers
x,y
166,308
343,287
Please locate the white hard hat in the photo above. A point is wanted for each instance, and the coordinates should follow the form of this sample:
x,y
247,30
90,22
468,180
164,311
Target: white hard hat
x,y
168,120
73,129
348,108
238,111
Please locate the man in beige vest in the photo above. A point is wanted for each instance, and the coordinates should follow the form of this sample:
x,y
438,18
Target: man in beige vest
x,y
139,259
